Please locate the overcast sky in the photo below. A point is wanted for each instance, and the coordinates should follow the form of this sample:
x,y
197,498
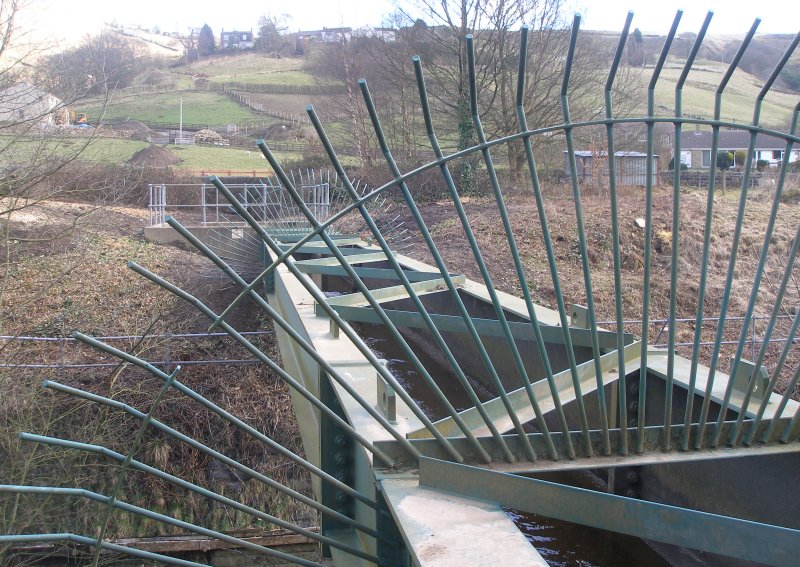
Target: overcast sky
x,y
74,18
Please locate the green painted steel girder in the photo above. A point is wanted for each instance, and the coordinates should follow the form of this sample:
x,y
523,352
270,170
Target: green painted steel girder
x,y
588,381
376,273
652,449
333,261
486,327
732,537
393,293
323,249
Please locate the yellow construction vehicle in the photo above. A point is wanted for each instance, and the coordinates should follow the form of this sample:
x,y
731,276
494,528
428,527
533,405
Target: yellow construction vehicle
x,y
69,117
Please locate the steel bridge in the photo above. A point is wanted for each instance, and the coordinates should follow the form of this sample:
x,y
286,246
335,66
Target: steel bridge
x,y
413,463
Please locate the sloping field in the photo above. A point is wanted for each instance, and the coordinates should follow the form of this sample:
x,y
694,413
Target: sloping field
x,y
737,101
253,68
199,107
18,149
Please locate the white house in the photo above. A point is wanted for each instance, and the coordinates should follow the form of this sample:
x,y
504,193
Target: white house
x,y
696,147
336,35
25,102
385,34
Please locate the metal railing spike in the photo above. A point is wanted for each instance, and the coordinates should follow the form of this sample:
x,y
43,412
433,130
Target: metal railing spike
x,y
621,386
579,219
400,368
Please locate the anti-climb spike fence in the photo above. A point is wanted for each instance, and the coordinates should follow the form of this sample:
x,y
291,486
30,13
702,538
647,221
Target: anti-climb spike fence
x,y
494,384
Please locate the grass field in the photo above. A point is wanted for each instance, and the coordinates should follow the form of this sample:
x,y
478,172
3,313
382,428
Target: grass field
x,y
737,101
254,68
199,107
117,151
292,104
93,149
197,158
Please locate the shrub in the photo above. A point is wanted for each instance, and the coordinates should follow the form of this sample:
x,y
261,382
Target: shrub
x,y
724,160
671,165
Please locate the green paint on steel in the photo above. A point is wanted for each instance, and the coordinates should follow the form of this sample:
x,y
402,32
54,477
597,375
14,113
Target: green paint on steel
x,y
732,537
485,327
372,273
621,386
137,465
650,455
495,432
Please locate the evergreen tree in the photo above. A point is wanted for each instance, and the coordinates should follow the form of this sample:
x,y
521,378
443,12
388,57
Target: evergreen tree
x,y
205,41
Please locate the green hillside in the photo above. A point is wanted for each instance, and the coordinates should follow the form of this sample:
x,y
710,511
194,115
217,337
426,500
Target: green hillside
x,y
738,99
252,68
199,107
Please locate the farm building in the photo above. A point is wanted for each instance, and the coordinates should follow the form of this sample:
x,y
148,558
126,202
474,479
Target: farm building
x,y
696,147
631,168
24,102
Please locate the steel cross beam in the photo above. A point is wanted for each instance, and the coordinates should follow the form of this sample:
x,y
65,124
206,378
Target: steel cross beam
x,y
751,541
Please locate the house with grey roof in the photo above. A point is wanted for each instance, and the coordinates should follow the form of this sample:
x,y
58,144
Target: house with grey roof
x,y
696,147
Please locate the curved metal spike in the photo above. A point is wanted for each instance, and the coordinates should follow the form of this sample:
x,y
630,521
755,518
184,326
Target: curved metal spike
x,y
621,385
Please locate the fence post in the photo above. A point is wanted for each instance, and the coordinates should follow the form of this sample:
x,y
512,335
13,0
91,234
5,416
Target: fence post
x,y
203,202
163,204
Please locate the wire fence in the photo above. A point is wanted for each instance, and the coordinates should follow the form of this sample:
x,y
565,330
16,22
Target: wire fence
x,y
662,325
660,331
168,337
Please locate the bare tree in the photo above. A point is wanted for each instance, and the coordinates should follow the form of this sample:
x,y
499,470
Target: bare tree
x,y
40,166
189,43
40,153
99,65
342,63
495,26
271,31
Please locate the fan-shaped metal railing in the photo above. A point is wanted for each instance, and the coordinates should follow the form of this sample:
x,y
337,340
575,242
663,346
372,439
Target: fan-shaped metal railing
x,y
538,389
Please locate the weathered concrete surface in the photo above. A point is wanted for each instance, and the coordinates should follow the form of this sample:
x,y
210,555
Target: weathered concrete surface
x,y
443,530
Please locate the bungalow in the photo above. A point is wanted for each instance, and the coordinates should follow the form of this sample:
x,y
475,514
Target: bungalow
x,y
385,34
23,102
309,35
696,147
326,35
237,40
337,35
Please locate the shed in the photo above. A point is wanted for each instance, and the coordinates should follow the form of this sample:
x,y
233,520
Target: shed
x,y
631,168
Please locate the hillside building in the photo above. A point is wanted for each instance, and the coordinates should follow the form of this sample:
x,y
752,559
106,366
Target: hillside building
x,y
237,39
22,102
696,147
